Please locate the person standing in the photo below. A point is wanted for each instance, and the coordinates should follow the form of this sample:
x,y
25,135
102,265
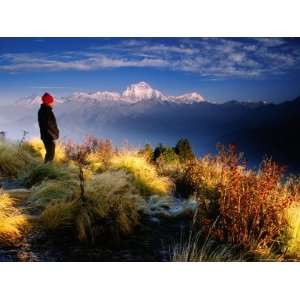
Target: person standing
x,y
48,126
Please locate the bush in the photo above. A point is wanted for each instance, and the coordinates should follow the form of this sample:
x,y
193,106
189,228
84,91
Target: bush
x,y
96,152
201,178
248,207
110,208
184,150
144,174
14,159
12,223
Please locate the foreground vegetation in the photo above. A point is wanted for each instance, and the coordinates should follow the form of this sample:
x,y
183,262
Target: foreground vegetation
x,y
96,192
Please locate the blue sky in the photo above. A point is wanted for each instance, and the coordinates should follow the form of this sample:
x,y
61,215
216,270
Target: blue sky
x,y
220,69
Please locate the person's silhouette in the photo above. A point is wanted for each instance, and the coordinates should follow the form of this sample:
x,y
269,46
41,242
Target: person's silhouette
x,y
48,126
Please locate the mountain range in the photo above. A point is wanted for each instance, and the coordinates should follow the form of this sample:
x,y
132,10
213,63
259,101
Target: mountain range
x,y
141,114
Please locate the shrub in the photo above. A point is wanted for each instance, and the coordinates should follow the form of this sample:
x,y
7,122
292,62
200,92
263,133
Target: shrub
x,y
36,146
14,159
12,223
200,177
97,152
184,150
249,206
144,174
111,208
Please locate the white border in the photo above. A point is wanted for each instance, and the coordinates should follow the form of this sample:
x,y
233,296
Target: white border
x,y
149,281
145,281
149,18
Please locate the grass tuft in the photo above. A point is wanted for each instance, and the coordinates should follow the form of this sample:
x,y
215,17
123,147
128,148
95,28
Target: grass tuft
x,y
144,174
14,159
13,224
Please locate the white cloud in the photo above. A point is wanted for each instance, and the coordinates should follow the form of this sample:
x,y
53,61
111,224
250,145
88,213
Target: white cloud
x,y
211,57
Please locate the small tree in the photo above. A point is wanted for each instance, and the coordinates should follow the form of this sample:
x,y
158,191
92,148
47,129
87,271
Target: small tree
x,y
184,150
158,151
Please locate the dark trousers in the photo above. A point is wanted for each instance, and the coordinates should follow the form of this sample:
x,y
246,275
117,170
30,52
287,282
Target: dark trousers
x,y
50,150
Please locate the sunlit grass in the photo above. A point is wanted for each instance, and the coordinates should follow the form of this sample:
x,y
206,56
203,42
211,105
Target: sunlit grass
x,y
293,231
13,223
36,146
144,174
111,206
14,159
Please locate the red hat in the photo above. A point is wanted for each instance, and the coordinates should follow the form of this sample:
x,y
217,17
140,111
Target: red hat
x,y
47,99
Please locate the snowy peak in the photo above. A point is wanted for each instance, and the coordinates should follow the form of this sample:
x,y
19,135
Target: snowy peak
x,y
195,97
141,91
189,98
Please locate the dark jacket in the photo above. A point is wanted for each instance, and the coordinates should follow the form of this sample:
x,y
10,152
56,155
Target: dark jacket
x,y
47,123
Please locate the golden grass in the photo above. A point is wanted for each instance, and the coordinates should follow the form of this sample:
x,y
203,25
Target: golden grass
x,y
14,159
293,231
145,175
13,224
94,161
36,146
111,206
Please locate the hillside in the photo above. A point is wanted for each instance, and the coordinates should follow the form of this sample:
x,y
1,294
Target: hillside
x,y
96,202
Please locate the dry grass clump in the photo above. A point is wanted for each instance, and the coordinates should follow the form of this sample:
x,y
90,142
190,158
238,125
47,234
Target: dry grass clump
x,y
110,208
195,250
59,215
12,223
14,159
52,191
36,146
145,175
48,171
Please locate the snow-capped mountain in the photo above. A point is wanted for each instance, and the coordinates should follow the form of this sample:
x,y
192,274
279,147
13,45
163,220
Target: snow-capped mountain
x,y
134,93
141,91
